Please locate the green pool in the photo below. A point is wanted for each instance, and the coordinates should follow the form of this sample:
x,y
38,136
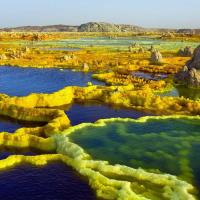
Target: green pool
x,y
157,144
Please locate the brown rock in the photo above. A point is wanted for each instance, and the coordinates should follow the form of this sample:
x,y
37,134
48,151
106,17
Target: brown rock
x,y
195,61
190,74
156,57
187,51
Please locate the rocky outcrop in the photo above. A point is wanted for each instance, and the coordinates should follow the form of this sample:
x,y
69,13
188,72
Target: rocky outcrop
x,y
107,27
156,57
195,61
187,51
190,74
190,78
189,31
98,27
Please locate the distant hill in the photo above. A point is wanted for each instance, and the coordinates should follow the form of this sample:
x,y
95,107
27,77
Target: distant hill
x,y
88,27
94,27
189,31
108,27
51,28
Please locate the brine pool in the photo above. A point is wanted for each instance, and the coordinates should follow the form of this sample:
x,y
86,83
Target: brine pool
x,y
154,150
55,181
158,144
112,43
153,146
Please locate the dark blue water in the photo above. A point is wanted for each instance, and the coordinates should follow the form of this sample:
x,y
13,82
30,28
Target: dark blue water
x,y
11,125
79,113
55,181
17,81
8,125
6,152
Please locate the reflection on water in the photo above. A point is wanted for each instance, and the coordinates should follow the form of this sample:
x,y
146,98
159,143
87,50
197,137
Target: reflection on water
x,y
55,181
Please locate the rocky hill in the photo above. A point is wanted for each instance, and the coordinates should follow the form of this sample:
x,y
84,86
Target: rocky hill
x,y
88,27
189,31
107,27
52,28
94,27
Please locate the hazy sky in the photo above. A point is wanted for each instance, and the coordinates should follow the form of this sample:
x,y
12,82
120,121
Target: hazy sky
x,y
147,13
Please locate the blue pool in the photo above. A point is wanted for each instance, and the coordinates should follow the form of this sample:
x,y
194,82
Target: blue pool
x,y
17,81
55,181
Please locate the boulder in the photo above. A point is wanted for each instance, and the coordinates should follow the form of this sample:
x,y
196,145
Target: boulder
x,y
156,57
195,61
187,51
190,74
193,78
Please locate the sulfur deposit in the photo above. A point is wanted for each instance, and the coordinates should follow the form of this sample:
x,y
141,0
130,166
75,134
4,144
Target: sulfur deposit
x,y
135,161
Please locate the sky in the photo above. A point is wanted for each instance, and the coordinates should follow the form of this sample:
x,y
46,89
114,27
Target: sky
x,y
146,13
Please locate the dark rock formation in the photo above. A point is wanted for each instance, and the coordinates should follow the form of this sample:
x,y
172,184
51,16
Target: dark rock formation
x,y
190,74
189,31
187,51
195,61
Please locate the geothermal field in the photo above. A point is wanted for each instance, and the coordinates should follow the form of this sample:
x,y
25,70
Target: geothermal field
x,y
90,115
